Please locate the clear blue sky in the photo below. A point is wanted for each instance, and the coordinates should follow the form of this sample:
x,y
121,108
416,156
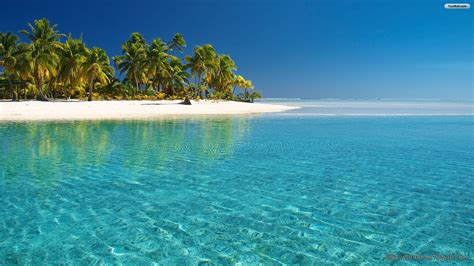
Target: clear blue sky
x,y
313,49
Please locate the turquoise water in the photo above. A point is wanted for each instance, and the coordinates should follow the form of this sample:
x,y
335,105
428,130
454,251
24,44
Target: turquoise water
x,y
294,188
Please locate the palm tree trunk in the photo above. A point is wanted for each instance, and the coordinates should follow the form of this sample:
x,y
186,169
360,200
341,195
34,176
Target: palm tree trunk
x,y
39,85
68,96
91,87
12,89
136,82
68,90
53,91
18,92
199,85
195,87
89,98
155,85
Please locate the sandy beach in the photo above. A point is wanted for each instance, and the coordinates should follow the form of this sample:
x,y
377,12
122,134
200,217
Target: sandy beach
x,y
76,110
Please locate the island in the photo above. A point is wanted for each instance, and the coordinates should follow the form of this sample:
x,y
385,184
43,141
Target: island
x,y
56,76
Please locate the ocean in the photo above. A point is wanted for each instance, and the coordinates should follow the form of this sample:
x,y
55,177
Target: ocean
x,y
335,182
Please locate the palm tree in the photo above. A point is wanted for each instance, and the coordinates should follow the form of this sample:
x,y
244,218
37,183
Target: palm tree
x,y
72,57
211,65
176,76
48,67
96,69
24,69
156,62
224,75
248,85
197,65
239,82
133,58
8,60
255,95
178,43
43,51
220,75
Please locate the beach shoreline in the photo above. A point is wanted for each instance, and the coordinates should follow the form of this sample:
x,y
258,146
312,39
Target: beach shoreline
x,y
97,110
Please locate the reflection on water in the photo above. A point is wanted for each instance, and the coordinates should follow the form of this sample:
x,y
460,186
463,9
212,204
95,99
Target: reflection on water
x,y
47,152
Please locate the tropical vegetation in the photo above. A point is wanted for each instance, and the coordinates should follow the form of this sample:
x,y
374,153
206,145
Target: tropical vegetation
x,y
52,65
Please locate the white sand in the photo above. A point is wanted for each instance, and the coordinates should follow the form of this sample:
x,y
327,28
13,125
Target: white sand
x,y
75,110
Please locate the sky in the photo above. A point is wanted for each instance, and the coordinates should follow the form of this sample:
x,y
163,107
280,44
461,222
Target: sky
x,y
379,49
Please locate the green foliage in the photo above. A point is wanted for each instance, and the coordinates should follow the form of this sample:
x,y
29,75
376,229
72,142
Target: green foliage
x,y
248,96
8,58
255,95
221,95
43,52
73,55
53,66
96,69
178,43
132,60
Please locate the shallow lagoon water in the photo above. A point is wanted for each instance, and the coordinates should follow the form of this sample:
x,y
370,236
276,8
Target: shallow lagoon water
x,y
279,188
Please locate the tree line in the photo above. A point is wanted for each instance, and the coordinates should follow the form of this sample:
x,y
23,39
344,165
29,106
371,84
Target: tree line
x,y
54,66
